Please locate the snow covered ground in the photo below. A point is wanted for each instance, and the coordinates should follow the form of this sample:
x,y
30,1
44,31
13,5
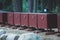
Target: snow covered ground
x,y
42,34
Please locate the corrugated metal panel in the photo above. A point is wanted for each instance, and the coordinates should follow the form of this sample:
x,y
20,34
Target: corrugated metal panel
x,y
10,18
33,20
42,21
24,19
17,18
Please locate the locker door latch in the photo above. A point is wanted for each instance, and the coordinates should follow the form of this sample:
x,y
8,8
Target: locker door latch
x,y
42,17
25,16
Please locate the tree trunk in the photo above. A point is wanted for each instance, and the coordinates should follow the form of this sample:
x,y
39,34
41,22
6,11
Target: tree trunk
x,y
35,6
17,5
30,5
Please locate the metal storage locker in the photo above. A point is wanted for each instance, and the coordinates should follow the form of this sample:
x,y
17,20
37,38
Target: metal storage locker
x,y
1,21
4,18
17,18
58,21
24,19
42,20
10,18
52,20
33,20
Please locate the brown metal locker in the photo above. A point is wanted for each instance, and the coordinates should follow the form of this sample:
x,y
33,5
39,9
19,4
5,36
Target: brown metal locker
x,y
52,20
24,19
42,21
58,21
1,21
5,18
33,20
17,18
10,18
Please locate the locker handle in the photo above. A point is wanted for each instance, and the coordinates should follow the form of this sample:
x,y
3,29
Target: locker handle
x,y
16,16
25,16
42,17
9,15
32,17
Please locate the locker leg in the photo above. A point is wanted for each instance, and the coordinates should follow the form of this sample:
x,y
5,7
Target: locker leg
x,y
37,31
50,30
1,24
16,26
12,27
31,29
58,30
22,27
42,30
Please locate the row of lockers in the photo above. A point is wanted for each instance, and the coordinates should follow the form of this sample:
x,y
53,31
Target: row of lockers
x,y
38,20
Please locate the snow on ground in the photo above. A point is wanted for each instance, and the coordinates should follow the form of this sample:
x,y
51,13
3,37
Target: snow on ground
x,y
42,34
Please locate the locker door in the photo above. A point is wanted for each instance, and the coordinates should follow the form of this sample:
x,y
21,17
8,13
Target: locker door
x,y
42,21
10,18
58,21
33,20
1,18
52,20
5,18
17,18
24,19
1,5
